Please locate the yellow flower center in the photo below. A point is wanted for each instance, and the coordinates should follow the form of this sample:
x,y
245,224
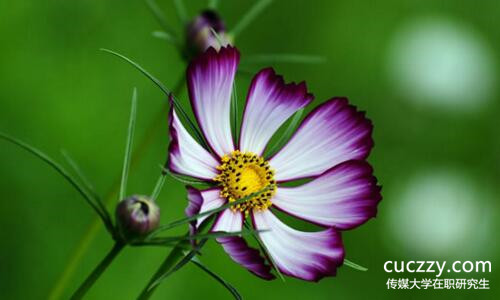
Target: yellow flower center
x,y
242,174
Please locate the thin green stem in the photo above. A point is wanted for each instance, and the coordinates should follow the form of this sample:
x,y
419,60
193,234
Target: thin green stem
x,y
158,186
93,202
354,265
128,147
162,20
83,245
174,261
101,267
181,11
252,13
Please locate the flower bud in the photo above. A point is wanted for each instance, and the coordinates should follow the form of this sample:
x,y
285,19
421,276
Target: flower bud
x,y
137,216
200,36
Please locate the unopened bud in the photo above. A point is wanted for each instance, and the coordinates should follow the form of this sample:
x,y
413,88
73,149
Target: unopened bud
x,y
137,216
199,32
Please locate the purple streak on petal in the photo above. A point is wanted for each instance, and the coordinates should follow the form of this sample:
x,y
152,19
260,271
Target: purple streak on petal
x,y
185,155
246,256
270,102
343,197
332,133
200,202
210,82
305,255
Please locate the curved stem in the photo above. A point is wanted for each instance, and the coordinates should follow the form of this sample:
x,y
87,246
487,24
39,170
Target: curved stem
x,y
84,243
101,267
173,258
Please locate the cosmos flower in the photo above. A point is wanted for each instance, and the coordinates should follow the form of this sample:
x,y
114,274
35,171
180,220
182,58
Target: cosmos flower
x,y
329,149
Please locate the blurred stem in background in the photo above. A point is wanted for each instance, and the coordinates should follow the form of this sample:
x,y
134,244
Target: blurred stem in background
x,y
91,232
101,267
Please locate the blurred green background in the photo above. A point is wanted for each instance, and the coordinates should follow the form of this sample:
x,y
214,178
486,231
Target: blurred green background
x,y
426,72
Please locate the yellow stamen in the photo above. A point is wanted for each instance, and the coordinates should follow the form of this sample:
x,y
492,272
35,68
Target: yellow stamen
x,y
242,174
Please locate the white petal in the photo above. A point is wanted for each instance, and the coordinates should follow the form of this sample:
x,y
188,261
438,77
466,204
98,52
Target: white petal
x,y
333,133
344,197
270,103
229,221
305,255
210,83
186,156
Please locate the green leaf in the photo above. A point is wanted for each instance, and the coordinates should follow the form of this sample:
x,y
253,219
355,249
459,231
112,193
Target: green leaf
x,y
184,179
187,258
217,37
287,134
284,58
226,284
209,212
235,112
178,106
162,35
263,248
66,175
128,146
252,13
162,20
191,237
354,265
159,185
181,11
86,183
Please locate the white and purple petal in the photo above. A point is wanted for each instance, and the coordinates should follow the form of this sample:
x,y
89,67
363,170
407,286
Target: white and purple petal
x,y
185,155
210,82
343,197
237,248
305,255
332,133
201,202
270,102
248,257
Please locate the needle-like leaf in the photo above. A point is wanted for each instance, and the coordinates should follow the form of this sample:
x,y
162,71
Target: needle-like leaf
x,y
287,134
162,35
208,212
187,258
354,265
235,112
159,185
217,37
66,175
184,179
221,280
191,237
181,11
178,106
162,20
263,248
86,183
128,146
252,13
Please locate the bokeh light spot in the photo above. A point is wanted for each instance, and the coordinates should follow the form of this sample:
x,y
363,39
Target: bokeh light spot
x,y
442,64
440,213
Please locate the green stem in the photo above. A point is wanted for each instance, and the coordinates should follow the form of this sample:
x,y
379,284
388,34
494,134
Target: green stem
x,y
84,243
101,267
169,262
